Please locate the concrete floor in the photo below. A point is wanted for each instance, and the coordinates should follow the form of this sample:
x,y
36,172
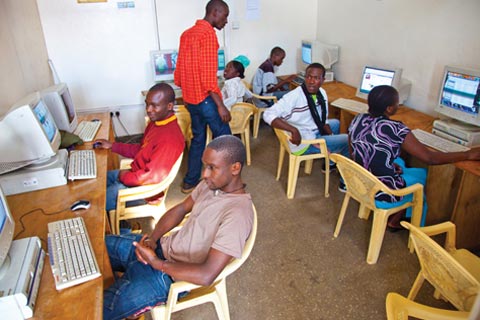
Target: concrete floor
x,y
297,269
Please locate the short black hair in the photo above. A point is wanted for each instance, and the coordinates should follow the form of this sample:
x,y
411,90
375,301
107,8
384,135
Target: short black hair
x,y
215,4
232,147
166,89
239,67
276,50
379,98
316,65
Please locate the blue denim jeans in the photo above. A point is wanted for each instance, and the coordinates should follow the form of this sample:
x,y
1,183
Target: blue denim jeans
x,y
336,143
139,287
411,176
202,114
113,185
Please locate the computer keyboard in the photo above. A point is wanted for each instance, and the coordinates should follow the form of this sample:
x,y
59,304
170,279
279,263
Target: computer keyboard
x,y
437,142
299,80
82,165
71,255
87,130
350,105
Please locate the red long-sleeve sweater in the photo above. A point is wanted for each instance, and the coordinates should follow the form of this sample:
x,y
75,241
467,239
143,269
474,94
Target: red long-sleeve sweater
x,y
161,145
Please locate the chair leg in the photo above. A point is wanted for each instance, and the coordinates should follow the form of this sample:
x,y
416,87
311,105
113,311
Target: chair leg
x,y
293,168
341,215
363,212
113,218
327,183
416,286
246,135
221,301
281,155
256,123
376,237
308,166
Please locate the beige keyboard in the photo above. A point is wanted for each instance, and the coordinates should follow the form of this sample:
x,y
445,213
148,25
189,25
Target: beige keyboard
x,y
87,130
82,165
350,105
437,142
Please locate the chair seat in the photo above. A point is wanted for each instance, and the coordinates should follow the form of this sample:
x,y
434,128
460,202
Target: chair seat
x,y
469,261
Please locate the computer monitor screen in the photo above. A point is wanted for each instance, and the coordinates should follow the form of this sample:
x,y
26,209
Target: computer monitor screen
x,y
316,51
221,62
60,104
7,225
163,64
29,134
376,76
459,97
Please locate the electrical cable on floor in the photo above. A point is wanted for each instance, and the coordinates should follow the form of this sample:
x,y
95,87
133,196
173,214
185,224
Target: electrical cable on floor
x,y
113,125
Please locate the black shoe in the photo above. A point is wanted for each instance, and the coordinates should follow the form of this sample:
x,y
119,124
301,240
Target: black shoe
x,y
333,168
187,187
342,187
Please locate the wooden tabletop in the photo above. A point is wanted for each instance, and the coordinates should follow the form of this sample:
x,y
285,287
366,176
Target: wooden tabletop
x,y
32,212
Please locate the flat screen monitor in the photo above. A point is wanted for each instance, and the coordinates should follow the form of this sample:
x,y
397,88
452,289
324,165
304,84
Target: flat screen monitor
x,y
7,226
29,134
376,76
60,104
459,96
163,64
316,51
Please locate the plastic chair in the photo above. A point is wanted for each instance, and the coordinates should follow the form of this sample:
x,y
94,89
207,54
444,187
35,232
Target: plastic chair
x,y
241,113
185,123
257,101
400,308
362,186
215,293
455,274
294,161
122,212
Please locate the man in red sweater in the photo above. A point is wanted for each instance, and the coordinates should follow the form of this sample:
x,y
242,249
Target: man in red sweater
x,y
155,155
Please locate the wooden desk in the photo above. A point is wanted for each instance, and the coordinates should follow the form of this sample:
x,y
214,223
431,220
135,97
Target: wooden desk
x,y
32,212
452,190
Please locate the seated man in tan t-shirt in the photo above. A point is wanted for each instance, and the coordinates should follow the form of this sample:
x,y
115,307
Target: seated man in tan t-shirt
x,y
220,222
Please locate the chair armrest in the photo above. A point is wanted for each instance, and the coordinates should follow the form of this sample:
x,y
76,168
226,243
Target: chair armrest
x,y
264,97
125,164
141,192
444,227
417,187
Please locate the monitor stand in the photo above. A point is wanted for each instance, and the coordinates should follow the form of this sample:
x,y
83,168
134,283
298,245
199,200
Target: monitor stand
x,y
41,176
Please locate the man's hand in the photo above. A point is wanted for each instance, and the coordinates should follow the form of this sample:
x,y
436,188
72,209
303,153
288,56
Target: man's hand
x,y
144,252
398,169
224,113
327,130
296,138
102,143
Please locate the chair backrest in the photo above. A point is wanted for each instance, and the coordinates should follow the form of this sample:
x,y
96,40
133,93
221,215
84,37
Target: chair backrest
x,y
236,263
400,308
146,191
184,121
445,273
241,113
361,184
283,138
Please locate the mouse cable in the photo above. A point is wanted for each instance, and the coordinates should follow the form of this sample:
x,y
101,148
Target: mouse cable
x,y
30,212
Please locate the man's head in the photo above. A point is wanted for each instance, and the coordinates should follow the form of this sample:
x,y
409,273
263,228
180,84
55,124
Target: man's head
x,y
223,158
216,13
314,77
234,69
159,102
277,55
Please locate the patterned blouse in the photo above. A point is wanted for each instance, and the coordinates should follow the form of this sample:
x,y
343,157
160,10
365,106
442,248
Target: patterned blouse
x,y
376,143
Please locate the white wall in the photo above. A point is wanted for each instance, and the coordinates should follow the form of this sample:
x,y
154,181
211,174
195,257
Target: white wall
x,y
421,37
102,52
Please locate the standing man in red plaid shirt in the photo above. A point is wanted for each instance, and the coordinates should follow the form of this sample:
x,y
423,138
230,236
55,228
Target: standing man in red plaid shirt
x,y
196,74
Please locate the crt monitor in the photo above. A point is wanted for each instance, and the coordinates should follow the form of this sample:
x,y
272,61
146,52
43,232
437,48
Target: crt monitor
x,y
459,97
376,76
316,51
222,62
7,225
60,104
163,64
29,134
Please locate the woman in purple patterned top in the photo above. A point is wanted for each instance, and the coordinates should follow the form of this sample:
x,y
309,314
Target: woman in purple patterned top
x,y
376,142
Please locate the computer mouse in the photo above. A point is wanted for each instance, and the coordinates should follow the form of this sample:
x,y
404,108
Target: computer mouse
x,y
80,204
96,145
95,120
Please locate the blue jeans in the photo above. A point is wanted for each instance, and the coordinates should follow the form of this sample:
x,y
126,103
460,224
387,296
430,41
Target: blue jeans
x,y
411,176
336,143
113,185
139,287
204,113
